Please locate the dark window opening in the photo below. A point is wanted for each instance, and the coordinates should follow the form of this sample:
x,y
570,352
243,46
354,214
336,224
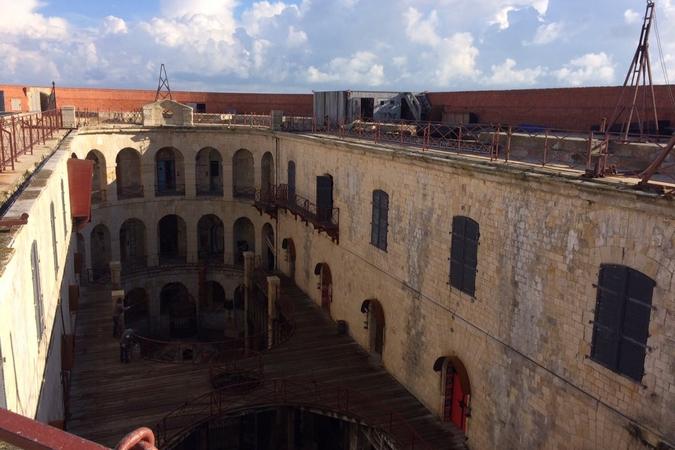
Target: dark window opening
x,y
200,108
621,325
324,198
380,220
367,108
464,254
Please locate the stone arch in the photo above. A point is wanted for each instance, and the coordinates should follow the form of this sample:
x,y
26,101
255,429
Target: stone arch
x,y
133,254
212,311
288,245
211,239
99,245
325,285
178,311
128,173
99,181
455,390
266,174
137,316
171,235
243,177
375,324
169,172
244,239
268,248
209,172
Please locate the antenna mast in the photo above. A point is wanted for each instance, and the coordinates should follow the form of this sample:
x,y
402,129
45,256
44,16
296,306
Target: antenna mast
x,y
639,74
163,83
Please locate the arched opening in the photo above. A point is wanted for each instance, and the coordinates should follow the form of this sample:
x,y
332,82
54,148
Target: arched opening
x,y
211,239
455,390
137,317
374,323
266,175
212,311
128,174
81,257
209,172
244,239
169,172
325,285
172,240
98,179
289,246
100,252
269,250
132,245
178,312
243,179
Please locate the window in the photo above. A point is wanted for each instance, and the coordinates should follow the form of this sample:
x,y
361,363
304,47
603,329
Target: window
x,y
464,254
380,221
621,325
37,290
52,216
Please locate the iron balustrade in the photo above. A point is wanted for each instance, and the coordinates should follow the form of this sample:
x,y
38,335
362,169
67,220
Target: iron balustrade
x,y
131,191
246,120
171,259
211,257
167,190
321,218
328,398
134,263
243,192
93,117
20,133
213,191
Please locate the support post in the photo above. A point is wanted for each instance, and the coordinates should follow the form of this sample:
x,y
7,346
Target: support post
x,y
249,267
273,284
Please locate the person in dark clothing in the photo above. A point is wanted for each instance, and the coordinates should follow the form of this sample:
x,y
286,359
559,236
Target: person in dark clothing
x,y
118,317
126,345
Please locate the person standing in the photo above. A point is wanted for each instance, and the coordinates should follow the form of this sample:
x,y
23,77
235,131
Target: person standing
x,y
118,317
126,345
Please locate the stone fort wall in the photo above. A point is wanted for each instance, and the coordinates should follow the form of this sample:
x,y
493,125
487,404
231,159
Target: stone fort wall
x,y
524,337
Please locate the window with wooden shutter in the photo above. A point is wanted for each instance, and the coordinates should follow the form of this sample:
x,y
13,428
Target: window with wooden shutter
x,y
380,220
464,254
621,325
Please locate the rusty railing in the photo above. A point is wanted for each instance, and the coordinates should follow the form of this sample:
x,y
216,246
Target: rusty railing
x,y
247,120
20,133
87,117
321,218
329,398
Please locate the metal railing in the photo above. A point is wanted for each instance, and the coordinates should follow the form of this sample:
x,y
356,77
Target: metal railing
x,y
93,117
134,263
167,190
171,259
211,257
248,120
131,191
20,133
322,218
214,191
327,398
245,192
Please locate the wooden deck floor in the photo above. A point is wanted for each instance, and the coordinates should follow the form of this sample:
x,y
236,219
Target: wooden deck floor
x,y
109,399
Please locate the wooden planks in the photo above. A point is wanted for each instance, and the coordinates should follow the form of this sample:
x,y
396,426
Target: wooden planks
x,y
109,399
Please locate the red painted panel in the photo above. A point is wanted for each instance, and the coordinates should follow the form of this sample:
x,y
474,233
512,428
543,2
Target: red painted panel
x,y
457,415
80,172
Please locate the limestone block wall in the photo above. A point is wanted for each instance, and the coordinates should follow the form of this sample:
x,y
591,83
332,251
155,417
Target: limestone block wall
x,y
525,337
31,366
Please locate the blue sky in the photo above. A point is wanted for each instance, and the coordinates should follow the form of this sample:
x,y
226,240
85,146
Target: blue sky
x,y
304,45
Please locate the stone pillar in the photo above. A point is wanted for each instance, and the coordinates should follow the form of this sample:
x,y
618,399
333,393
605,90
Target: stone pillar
x,y
249,266
273,284
115,274
68,117
190,178
191,240
152,241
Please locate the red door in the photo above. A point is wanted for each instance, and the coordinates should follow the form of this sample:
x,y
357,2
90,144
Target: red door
x,y
454,407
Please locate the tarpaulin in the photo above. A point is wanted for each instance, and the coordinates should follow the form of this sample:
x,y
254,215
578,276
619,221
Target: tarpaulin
x,y
80,172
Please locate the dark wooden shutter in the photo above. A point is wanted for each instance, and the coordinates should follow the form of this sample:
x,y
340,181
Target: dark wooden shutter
x,y
291,181
622,313
324,197
464,254
375,223
384,220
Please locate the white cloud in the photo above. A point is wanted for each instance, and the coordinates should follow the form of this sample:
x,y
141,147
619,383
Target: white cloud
x,y
114,25
19,18
420,30
547,33
631,17
505,7
501,18
260,12
506,74
296,38
457,59
361,69
591,68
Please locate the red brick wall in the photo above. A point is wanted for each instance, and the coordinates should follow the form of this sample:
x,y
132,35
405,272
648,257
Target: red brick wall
x,y
13,91
130,99
566,108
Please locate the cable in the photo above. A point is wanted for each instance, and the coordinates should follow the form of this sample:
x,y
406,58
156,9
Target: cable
x,y
662,60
